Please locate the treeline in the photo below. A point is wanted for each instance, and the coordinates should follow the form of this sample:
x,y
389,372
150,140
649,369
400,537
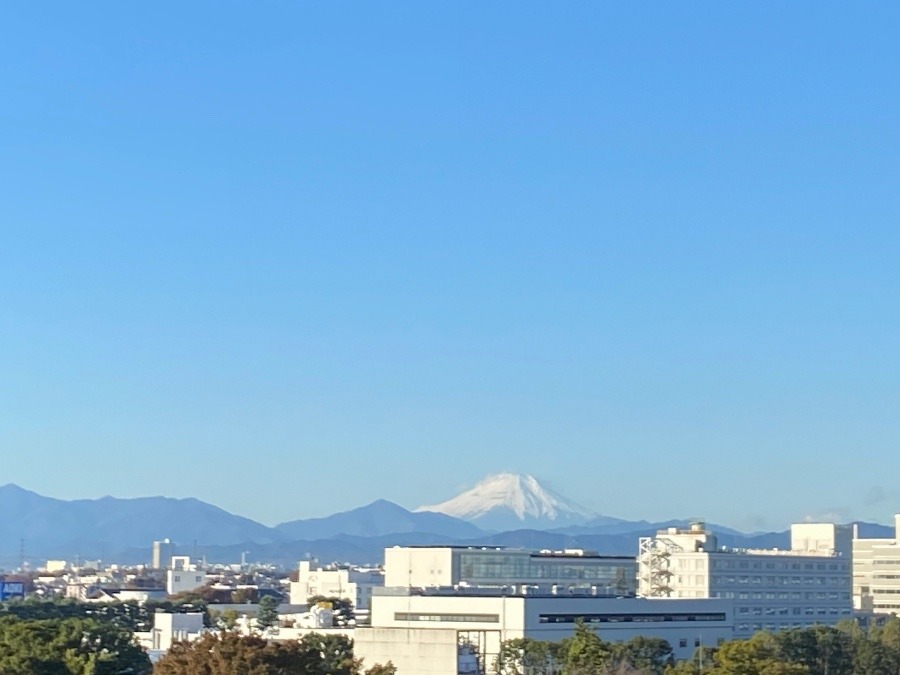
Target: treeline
x,y
226,653
131,615
68,638
845,649
584,653
70,646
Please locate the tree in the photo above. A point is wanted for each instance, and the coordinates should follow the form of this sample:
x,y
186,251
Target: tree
x,y
68,647
225,620
524,656
585,653
756,656
824,650
335,652
645,654
230,653
267,612
386,669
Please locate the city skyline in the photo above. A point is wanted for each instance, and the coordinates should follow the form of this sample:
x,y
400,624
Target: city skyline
x,y
295,259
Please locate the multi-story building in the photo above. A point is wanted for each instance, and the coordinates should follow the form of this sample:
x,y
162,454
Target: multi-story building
x,y
876,573
447,610
771,589
572,570
183,576
351,583
162,554
437,632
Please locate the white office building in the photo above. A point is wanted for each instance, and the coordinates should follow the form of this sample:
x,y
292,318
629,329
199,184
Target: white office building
x,y
350,583
445,632
771,589
876,573
572,570
447,610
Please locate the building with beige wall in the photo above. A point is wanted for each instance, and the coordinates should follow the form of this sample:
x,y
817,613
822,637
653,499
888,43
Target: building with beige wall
x,y
876,573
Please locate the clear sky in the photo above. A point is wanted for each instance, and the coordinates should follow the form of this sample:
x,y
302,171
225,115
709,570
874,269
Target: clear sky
x,y
292,257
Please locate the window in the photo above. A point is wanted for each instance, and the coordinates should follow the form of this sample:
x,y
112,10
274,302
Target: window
x,y
449,618
682,643
631,618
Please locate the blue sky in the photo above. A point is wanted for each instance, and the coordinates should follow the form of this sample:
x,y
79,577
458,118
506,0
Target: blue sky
x,y
293,257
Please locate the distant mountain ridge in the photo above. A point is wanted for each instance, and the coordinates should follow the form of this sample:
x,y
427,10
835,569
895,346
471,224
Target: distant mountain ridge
x,y
377,519
92,527
122,530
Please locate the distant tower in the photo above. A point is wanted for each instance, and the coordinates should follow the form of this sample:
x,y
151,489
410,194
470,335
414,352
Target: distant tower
x,y
162,554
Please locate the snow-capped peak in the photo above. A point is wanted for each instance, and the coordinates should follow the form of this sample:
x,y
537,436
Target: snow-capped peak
x,y
512,497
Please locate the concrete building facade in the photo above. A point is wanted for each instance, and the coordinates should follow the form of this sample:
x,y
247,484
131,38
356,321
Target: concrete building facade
x,y
183,576
771,589
351,583
441,633
489,567
876,573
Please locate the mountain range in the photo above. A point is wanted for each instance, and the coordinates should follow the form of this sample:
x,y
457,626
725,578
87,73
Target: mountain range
x,y
504,510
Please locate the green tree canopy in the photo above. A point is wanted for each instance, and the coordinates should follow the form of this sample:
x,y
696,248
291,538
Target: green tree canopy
x,y
69,646
267,612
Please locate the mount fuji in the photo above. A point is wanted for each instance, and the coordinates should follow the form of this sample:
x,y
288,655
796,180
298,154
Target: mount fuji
x,y
507,501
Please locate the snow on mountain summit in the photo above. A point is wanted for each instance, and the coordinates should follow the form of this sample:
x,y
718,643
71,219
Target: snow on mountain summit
x,y
509,499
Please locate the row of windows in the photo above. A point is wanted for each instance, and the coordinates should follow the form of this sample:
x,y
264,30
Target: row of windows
x,y
785,611
756,627
780,581
759,595
777,565
449,618
505,567
631,618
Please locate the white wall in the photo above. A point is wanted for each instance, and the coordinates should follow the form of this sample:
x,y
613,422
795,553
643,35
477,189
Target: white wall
x,y
413,652
418,567
179,581
169,628
353,584
876,574
496,619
